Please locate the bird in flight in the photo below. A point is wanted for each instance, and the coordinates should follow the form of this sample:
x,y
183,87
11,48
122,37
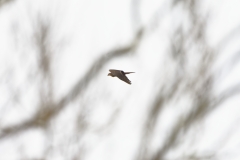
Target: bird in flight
x,y
120,74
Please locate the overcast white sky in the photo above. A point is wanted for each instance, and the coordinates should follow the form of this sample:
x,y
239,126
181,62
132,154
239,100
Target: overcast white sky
x,y
81,31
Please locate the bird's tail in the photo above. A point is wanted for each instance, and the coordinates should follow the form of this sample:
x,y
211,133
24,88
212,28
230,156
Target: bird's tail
x,y
128,72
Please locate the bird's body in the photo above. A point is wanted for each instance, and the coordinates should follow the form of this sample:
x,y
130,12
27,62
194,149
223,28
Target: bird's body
x,y
120,74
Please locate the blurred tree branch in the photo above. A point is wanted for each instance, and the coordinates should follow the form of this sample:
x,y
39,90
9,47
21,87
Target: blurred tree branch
x,y
4,2
204,100
50,110
199,85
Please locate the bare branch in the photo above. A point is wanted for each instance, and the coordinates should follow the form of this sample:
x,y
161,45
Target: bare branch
x,y
4,2
199,110
153,115
227,94
47,113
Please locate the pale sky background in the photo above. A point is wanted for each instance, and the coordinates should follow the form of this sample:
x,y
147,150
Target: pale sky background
x,y
83,30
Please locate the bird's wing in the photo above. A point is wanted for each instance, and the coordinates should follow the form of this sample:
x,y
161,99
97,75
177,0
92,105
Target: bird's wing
x,y
120,74
114,71
123,78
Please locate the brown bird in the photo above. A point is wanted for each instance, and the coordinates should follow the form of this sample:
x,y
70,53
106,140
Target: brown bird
x,y
120,74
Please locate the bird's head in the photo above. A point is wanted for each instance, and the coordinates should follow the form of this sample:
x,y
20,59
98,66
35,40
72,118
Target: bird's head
x,y
110,74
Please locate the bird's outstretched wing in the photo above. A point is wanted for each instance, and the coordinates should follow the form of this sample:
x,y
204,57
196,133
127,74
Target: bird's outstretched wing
x,y
120,74
114,71
124,78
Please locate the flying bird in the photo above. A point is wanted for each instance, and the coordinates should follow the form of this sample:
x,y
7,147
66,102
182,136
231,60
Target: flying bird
x,y
120,74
